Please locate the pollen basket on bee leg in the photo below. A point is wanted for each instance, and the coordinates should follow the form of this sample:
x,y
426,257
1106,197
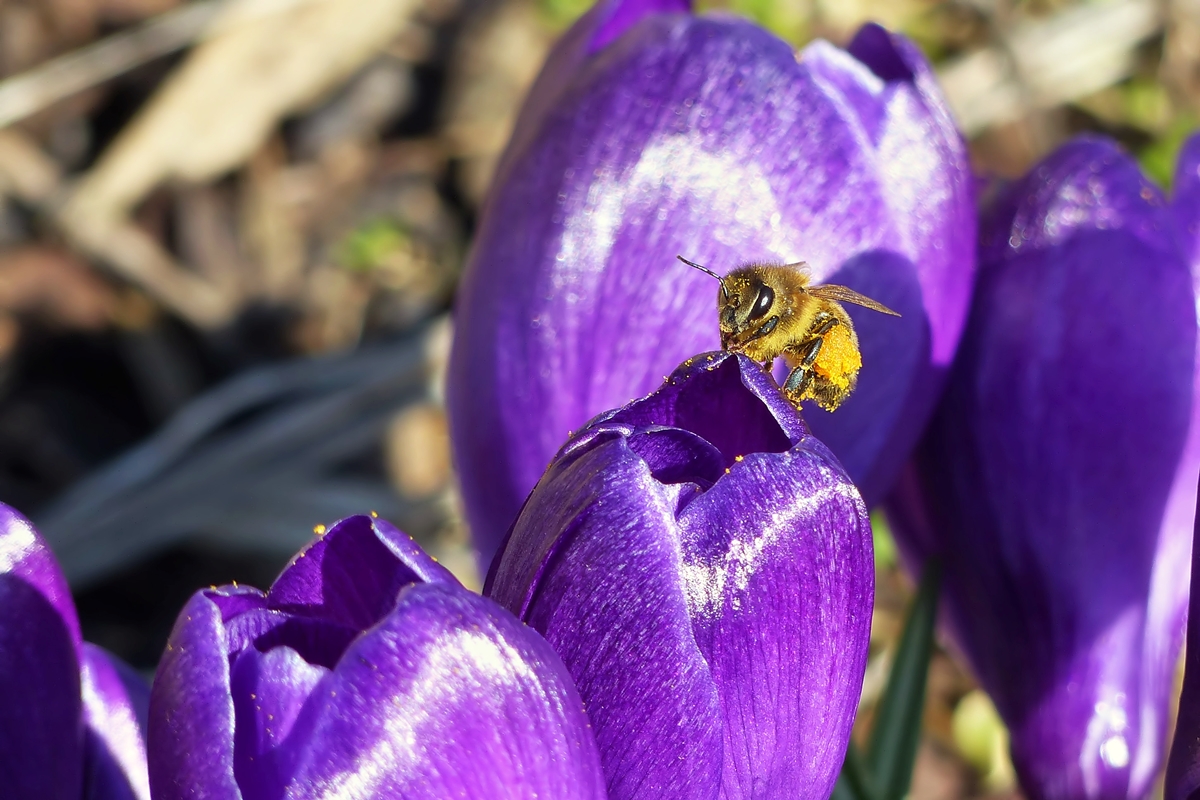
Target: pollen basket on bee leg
x,y
839,359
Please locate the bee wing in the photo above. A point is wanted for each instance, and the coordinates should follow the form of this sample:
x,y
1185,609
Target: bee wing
x,y
843,294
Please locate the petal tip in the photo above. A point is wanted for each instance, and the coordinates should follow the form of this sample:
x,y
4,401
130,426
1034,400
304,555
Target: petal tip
x,y
622,15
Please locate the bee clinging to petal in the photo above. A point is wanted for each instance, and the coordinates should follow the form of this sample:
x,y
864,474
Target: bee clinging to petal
x,y
766,311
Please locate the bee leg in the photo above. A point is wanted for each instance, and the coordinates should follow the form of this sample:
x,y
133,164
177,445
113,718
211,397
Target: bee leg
x,y
798,383
810,350
801,378
824,326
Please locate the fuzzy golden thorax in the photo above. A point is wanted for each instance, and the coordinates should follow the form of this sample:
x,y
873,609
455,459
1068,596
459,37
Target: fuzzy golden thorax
x,y
766,308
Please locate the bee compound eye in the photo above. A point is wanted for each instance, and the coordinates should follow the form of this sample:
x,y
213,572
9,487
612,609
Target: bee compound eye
x,y
763,302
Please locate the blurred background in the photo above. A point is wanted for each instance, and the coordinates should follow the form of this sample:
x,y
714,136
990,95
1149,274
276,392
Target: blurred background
x,y
229,241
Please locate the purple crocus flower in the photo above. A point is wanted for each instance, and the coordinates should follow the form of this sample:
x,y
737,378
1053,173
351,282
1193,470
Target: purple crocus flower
x,y
1057,480
366,671
652,134
71,715
703,566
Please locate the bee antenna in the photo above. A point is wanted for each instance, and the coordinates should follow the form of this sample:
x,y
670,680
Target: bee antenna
x,y
707,271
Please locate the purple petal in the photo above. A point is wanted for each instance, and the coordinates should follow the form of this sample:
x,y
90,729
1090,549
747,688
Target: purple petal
x,y
191,731
625,632
1183,766
719,644
40,648
269,690
115,709
621,16
352,573
1186,200
40,707
706,137
448,696
606,21
25,556
1049,480
925,178
318,641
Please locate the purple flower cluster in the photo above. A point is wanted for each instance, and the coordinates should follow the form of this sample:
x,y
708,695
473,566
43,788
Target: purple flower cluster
x,y
679,602
682,611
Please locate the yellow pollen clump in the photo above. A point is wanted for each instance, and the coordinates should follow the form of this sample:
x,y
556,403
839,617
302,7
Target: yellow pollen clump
x,y
839,360
319,530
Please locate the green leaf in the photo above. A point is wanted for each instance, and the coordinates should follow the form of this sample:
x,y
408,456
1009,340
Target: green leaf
x,y
885,544
897,730
854,783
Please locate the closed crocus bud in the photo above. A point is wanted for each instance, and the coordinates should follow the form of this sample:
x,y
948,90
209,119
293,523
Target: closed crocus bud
x,y
367,672
654,134
1057,480
71,715
703,566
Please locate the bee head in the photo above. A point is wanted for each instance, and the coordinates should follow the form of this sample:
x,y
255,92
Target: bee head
x,y
749,311
747,305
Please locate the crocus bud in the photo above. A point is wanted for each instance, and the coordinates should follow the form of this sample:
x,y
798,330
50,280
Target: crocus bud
x,y
703,566
1057,480
366,671
653,134
71,715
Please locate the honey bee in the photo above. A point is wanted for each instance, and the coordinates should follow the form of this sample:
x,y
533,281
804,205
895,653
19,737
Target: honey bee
x,y
766,311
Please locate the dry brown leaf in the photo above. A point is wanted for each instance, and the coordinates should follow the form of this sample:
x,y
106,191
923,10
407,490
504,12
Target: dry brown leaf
x,y
25,171
266,59
495,63
221,105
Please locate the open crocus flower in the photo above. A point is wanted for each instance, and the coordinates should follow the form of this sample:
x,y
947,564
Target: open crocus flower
x,y
1057,480
703,566
651,135
71,715
367,671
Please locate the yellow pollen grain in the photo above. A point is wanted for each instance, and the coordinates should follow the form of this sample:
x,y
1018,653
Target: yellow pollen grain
x,y
319,530
375,514
839,360
739,458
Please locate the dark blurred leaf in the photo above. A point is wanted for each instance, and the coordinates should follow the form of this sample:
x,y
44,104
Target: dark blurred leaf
x,y
897,729
854,783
